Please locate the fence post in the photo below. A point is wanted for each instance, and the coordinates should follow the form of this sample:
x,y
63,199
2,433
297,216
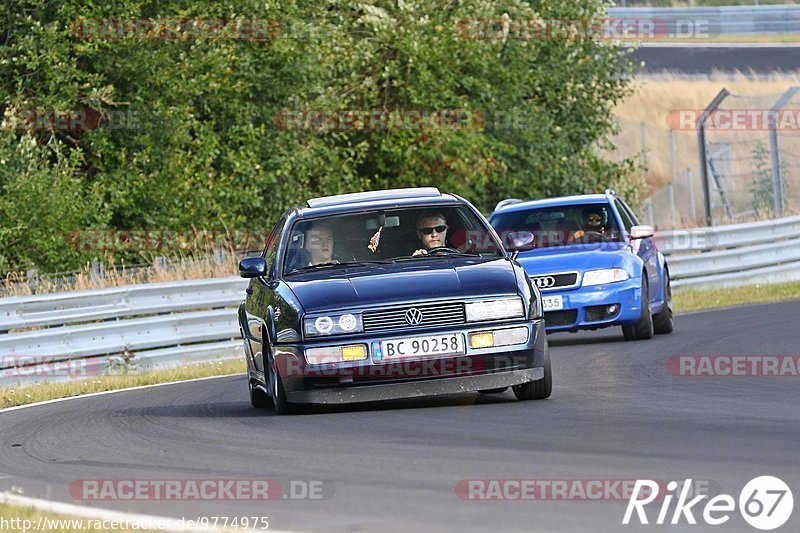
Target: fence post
x,y
671,189
691,193
98,270
701,145
775,156
644,143
32,279
672,158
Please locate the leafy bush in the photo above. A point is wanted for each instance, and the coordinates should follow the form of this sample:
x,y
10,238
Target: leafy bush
x,y
201,146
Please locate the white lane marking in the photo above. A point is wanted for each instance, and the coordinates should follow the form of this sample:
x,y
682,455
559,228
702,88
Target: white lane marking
x,y
164,523
102,393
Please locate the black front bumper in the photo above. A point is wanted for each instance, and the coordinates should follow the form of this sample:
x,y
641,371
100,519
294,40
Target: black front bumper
x,y
364,381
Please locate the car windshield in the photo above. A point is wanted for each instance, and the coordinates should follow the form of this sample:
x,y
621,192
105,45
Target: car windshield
x,y
391,235
561,225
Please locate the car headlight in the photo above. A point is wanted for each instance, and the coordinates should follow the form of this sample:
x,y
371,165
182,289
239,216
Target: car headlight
x,y
604,275
335,324
495,309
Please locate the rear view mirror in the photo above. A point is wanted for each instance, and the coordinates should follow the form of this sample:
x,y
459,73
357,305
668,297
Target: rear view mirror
x,y
253,267
642,232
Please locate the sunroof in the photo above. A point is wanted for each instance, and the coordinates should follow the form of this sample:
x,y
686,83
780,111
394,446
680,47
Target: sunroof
x,y
416,192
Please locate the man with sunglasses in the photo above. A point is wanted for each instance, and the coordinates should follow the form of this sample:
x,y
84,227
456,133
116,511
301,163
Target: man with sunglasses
x,y
595,220
431,230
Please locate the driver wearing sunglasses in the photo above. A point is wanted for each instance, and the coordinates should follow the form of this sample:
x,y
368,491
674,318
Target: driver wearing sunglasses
x,y
432,231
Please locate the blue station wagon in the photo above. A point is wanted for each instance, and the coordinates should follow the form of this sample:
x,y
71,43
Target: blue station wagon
x,y
594,263
389,294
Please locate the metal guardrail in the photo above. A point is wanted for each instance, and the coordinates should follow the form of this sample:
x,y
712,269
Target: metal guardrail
x,y
726,20
147,326
733,255
166,324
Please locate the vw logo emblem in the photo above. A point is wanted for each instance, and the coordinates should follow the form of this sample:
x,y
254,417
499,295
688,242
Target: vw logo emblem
x,y
544,282
413,316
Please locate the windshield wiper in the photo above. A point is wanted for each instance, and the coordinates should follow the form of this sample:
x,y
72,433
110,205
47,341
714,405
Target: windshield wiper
x,y
439,255
335,265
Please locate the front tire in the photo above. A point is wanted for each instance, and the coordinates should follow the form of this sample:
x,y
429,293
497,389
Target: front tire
x,y
278,393
664,322
258,398
643,329
540,388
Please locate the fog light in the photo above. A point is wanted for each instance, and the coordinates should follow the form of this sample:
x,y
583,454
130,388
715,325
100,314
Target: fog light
x,y
336,354
354,352
612,309
506,337
481,340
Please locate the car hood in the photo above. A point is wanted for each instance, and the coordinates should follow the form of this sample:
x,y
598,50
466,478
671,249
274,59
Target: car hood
x,y
578,257
427,279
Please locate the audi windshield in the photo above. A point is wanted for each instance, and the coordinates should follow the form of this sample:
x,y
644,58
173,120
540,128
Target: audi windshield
x,y
562,225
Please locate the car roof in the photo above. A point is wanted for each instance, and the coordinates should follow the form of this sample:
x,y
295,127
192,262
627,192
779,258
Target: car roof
x,y
384,199
553,202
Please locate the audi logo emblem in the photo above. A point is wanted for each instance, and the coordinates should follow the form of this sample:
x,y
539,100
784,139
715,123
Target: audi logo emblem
x,y
544,282
413,316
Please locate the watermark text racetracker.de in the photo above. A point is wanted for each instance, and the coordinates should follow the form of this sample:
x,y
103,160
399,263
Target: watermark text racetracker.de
x,y
199,489
597,29
765,502
734,365
563,489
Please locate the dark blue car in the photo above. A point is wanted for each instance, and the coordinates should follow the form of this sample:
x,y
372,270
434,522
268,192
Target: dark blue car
x,y
389,294
594,263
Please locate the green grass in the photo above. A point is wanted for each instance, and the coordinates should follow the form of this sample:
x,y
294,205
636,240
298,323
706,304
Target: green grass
x,y
709,299
10,397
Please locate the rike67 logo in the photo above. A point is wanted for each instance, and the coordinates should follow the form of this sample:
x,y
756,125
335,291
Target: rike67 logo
x,y
766,503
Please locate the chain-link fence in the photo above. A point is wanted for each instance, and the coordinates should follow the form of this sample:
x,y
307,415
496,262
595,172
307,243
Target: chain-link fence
x,y
751,148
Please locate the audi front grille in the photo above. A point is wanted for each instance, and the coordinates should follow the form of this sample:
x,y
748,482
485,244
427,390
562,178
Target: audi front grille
x,y
561,280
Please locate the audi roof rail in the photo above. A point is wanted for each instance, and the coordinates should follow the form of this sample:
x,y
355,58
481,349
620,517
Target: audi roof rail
x,y
507,201
369,196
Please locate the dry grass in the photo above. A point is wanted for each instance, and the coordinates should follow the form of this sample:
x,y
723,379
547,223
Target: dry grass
x,y
652,100
10,397
15,283
708,299
650,105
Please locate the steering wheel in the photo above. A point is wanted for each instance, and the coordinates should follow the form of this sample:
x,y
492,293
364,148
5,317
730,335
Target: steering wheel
x,y
587,234
442,249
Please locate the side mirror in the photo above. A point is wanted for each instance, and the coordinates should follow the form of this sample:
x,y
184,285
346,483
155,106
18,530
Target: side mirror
x,y
253,267
642,232
519,240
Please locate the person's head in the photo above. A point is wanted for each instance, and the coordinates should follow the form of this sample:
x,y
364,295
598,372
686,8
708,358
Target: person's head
x,y
319,243
432,229
595,217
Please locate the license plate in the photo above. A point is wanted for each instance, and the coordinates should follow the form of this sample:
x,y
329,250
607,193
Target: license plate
x,y
450,344
552,303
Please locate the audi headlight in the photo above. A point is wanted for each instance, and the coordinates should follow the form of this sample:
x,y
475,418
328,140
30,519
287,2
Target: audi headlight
x,y
495,309
335,324
604,275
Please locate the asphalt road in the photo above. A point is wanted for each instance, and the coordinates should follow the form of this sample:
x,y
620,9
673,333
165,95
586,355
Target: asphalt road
x,y
705,60
615,414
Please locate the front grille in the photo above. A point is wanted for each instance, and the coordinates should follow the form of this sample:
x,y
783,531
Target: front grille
x,y
566,317
554,281
449,314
